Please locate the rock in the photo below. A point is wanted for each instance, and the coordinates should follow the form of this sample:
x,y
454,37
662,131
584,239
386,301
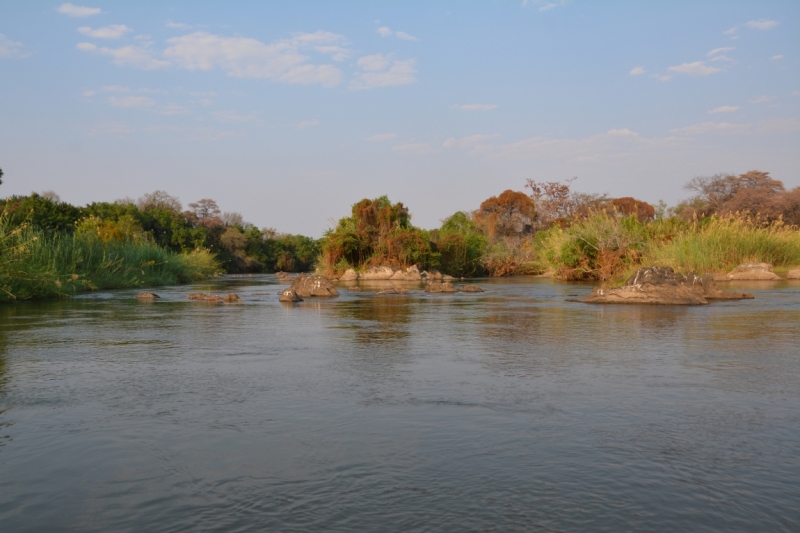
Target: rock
x,y
793,274
438,286
410,274
393,290
147,296
433,275
754,272
204,297
662,286
471,288
232,298
316,285
377,273
349,275
447,278
289,295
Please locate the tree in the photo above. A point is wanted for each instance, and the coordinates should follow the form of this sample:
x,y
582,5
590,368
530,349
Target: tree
x,y
510,214
207,212
159,200
1,176
554,200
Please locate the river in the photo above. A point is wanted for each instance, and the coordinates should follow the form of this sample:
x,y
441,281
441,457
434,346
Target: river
x,y
509,410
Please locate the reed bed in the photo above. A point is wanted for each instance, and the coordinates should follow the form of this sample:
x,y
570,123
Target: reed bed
x,y
35,264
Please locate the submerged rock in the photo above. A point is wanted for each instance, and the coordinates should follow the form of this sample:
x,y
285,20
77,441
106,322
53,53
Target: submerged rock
x,y
147,296
232,297
289,295
393,290
471,288
662,286
753,272
199,296
438,286
316,285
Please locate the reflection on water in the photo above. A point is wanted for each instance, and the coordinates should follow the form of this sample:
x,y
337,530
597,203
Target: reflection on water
x,y
505,410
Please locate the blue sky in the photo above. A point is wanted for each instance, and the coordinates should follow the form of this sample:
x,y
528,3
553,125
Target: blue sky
x,y
289,112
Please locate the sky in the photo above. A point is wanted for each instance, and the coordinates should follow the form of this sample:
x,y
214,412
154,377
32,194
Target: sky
x,y
290,112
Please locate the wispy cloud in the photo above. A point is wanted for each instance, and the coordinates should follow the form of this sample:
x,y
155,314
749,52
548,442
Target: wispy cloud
x,y
243,57
777,57
762,99
78,11
173,109
307,124
178,25
381,137
637,71
413,148
112,31
378,73
385,31
778,125
475,107
662,77
724,109
133,56
704,128
232,116
10,49
131,101
473,142
762,24
696,68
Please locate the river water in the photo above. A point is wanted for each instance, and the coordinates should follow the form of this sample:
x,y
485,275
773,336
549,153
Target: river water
x,y
510,410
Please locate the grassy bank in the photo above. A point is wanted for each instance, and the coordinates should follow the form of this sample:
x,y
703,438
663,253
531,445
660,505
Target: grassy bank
x,y
36,264
608,248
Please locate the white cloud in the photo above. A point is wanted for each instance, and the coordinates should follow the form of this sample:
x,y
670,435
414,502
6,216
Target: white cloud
x,y
131,101
178,25
731,31
78,11
724,109
174,109
115,89
762,99
548,7
778,125
473,142
110,128
212,134
10,49
307,124
133,56
405,36
231,116
637,71
112,31
402,72
337,53
243,57
726,128
475,107
381,137
763,24
205,101
776,57
717,51
385,31
697,68
662,77
89,94
374,63
413,148
722,58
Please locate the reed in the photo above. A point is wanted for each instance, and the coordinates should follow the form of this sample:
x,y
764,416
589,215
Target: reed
x,y
35,264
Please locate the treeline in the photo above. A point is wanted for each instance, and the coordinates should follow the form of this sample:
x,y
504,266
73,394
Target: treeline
x,y
160,219
580,236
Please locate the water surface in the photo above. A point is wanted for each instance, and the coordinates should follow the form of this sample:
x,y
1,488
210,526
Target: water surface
x,y
510,410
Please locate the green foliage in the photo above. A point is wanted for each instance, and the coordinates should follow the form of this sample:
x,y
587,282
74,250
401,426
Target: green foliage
x,y
39,264
41,212
461,246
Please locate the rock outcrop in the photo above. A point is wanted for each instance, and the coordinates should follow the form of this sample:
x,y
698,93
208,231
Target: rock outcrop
x,y
662,286
349,275
283,277
753,272
313,286
199,296
438,286
232,297
147,296
410,274
289,295
793,274
377,273
471,288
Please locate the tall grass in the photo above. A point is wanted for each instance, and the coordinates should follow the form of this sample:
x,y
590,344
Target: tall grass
x,y
35,264
604,247
723,243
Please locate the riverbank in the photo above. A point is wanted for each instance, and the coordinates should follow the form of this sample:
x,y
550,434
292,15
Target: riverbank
x,y
35,264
